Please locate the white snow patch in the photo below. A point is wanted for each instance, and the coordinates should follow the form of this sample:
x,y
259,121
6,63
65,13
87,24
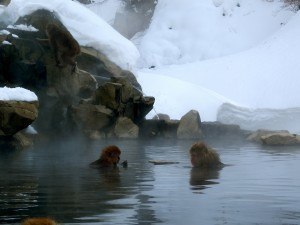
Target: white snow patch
x,y
17,94
23,27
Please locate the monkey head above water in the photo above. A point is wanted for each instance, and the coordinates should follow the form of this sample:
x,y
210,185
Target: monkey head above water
x,y
110,157
39,221
204,156
65,47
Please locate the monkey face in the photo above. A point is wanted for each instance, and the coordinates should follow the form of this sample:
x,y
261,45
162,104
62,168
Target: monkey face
x,y
111,155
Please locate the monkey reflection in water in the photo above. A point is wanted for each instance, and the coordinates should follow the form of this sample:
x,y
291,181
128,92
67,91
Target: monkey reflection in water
x,y
206,166
64,46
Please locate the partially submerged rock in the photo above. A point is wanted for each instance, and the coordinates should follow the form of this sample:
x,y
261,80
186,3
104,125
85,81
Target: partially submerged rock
x,y
257,135
281,139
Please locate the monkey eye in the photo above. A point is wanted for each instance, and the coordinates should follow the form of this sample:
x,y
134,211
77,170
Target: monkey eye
x,y
113,154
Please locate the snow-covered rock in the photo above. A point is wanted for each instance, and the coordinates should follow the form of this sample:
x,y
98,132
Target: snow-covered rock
x,y
86,27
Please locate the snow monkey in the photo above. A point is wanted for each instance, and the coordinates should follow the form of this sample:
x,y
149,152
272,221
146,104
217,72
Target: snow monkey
x,y
65,47
39,221
110,157
204,156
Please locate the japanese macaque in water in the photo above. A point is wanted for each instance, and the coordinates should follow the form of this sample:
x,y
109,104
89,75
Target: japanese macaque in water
x,y
110,157
204,156
39,221
65,47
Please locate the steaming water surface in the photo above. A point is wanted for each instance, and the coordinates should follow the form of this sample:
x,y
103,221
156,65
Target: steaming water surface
x,y
261,185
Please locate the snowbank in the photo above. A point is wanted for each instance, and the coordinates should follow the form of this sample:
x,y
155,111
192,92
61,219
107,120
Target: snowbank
x,y
266,76
253,119
191,30
17,94
86,27
176,97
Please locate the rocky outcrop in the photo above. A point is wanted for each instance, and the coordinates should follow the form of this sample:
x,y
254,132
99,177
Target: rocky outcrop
x,y
16,115
88,100
219,130
281,139
190,126
125,128
159,128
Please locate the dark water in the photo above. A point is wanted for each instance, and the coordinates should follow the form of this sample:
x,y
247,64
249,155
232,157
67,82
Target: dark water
x,y
262,185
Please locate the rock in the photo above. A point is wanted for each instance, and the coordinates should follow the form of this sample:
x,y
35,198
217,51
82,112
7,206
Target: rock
x,y
189,126
159,128
18,141
125,128
161,116
257,135
123,98
281,139
70,100
217,130
108,95
5,2
70,87
91,117
16,115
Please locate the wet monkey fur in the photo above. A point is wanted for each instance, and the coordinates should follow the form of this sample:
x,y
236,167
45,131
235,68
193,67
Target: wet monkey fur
x,y
204,157
110,157
65,47
39,221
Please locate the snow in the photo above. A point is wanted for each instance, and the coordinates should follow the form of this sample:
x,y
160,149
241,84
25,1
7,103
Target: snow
x,y
6,43
17,94
263,77
253,119
4,32
86,27
187,31
23,27
255,67
203,54
175,97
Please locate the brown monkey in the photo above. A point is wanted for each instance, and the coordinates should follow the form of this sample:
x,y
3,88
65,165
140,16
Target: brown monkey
x,y
65,47
204,156
110,157
39,221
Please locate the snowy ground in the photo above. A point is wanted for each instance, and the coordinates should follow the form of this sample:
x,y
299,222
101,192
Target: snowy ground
x,y
202,53
249,57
